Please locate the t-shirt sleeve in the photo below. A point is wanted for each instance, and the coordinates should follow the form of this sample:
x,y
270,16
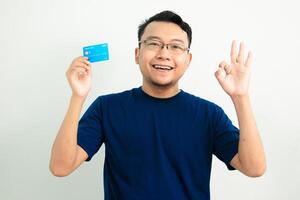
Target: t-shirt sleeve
x,y
225,138
90,131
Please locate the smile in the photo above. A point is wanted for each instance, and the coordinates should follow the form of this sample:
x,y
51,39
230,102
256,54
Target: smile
x,y
163,67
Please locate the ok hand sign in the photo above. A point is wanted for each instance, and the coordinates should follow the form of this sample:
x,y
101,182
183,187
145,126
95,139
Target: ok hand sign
x,y
234,77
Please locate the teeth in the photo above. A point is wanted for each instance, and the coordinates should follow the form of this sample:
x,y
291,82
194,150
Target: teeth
x,y
163,67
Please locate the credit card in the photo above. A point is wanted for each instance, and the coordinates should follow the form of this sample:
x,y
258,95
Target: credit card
x,y
96,53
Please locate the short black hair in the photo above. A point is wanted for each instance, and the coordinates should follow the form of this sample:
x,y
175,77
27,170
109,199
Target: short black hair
x,y
166,16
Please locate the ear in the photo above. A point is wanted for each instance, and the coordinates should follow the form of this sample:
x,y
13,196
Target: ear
x,y
137,55
189,59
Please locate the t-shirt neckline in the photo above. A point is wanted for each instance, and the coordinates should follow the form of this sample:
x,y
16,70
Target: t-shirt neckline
x,y
146,95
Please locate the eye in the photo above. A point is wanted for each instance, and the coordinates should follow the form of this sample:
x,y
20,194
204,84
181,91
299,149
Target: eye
x,y
153,44
176,47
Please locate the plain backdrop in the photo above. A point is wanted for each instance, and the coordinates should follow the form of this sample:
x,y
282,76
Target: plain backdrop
x,y
39,39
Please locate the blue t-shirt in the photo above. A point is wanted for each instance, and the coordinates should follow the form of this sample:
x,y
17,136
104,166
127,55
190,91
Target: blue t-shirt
x,y
157,149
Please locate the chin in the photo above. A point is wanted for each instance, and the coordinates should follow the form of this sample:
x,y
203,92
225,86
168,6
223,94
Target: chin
x,y
163,84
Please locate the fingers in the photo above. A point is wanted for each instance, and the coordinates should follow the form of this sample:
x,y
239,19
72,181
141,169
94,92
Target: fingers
x,y
220,75
81,65
237,57
85,60
233,52
240,58
81,62
223,70
249,59
226,67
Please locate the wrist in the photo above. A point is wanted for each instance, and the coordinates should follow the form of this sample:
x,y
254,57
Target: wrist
x,y
78,99
237,98
240,100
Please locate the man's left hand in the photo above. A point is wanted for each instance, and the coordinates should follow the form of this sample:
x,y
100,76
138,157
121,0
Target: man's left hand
x,y
234,78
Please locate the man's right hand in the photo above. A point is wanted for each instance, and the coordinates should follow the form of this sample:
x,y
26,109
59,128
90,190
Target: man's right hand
x,y
79,76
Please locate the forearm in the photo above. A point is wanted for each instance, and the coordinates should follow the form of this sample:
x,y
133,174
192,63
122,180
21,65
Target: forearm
x,y
251,152
65,145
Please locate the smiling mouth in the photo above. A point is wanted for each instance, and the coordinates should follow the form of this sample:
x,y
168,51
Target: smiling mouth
x,y
163,67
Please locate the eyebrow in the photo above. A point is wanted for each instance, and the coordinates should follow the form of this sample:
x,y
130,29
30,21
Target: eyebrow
x,y
158,38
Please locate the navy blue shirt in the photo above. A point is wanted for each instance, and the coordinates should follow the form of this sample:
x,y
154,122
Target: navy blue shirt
x,y
157,149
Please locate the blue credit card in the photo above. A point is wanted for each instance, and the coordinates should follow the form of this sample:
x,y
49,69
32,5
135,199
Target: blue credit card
x,y
96,53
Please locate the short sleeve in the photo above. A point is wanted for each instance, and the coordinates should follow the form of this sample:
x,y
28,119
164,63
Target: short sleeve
x,y
90,131
225,137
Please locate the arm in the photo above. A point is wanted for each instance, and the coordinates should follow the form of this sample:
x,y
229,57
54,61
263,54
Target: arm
x,y
66,155
234,79
250,159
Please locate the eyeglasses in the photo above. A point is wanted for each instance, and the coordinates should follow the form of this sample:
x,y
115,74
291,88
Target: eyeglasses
x,y
156,45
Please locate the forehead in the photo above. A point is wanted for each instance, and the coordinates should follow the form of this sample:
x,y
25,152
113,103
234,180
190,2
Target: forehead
x,y
166,31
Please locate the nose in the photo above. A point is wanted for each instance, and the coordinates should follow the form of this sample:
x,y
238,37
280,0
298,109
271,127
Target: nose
x,y
163,54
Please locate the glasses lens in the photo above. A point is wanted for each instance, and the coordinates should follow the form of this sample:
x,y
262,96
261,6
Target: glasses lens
x,y
176,48
153,45
156,45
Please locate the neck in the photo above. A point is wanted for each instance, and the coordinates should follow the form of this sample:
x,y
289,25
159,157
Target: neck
x,y
160,91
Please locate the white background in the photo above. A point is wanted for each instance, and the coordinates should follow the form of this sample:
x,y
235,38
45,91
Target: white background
x,y
39,39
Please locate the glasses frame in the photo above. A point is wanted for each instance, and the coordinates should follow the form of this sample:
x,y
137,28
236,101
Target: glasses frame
x,y
185,49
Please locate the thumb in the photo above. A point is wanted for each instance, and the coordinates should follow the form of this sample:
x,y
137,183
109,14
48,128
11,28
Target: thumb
x,y
220,74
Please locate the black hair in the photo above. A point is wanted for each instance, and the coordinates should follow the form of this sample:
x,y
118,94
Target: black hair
x,y
166,16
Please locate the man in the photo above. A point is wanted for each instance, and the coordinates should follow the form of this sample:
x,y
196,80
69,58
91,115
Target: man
x,y
159,140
